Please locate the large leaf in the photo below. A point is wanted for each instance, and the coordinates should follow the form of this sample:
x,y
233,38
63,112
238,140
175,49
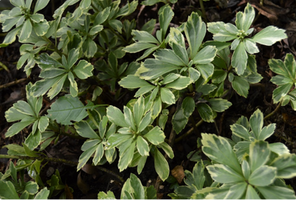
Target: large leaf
x,y
67,109
40,4
222,32
126,157
219,104
133,82
240,85
224,174
205,56
155,136
276,192
286,165
263,176
240,58
7,190
167,96
84,130
264,37
193,27
237,190
259,154
218,149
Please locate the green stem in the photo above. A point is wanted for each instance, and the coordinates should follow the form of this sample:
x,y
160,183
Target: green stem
x,y
52,44
203,10
59,160
274,111
189,131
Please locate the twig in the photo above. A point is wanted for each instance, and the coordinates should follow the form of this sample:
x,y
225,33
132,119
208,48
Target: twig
x,y
13,83
188,132
274,111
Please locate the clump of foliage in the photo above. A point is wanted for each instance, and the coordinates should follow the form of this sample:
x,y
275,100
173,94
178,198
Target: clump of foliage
x,y
88,50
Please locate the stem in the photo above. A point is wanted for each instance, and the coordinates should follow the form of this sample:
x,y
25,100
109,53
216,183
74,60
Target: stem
x,y
203,10
188,132
52,44
60,160
274,111
13,83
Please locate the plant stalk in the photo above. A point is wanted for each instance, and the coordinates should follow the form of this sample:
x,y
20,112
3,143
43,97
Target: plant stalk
x,y
189,131
13,83
273,112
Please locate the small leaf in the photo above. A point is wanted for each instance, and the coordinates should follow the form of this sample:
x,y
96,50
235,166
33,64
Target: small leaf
x,y
244,20
205,55
161,165
40,4
26,30
259,154
237,190
42,194
188,106
155,136
85,156
206,112
17,127
180,83
84,130
133,82
219,104
115,115
83,69
240,58
285,165
276,192
167,96
222,32
241,86
142,146
240,131
256,123
7,190
251,193
143,36
165,16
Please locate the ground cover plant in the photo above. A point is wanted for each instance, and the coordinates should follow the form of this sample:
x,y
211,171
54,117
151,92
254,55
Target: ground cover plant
x,y
114,101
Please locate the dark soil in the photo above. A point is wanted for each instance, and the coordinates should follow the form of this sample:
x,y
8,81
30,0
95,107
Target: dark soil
x,y
87,183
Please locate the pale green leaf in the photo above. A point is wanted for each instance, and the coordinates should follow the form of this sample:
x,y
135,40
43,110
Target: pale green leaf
x,y
85,156
222,32
84,130
42,194
40,4
165,16
259,154
17,127
280,92
167,149
286,166
267,131
237,190
240,131
169,56
155,136
83,69
251,193
256,123
142,146
167,96
241,86
146,120
180,83
244,20
205,55
117,139
224,174
129,118
218,149
161,165
276,192
126,157
43,123
264,37
99,153
263,176
7,190
251,46
26,30
132,82
143,36
140,46
240,58
279,148
193,27
116,116
206,70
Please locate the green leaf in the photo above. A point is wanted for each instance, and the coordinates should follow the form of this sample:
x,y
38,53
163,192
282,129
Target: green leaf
x,y
42,194
237,190
169,56
102,16
155,136
17,127
256,123
117,139
142,146
137,187
126,157
132,82
286,68
83,69
188,106
206,70
98,154
251,46
43,123
222,32
266,132
205,55
115,115
251,193
67,109
146,120
276,192
143,36
85,156
263,176
224,174
10,37
165,16
167,149
7,190
259,154
31,187
26,30
206,112
103,195
140,46
219,104
240,131
264,37
153,68
180,83
240,58
179,120
161,165
167,96
280,92
84,130
240,85
193,27
41,28
129,118
244,20
40,4
285,165
218,149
